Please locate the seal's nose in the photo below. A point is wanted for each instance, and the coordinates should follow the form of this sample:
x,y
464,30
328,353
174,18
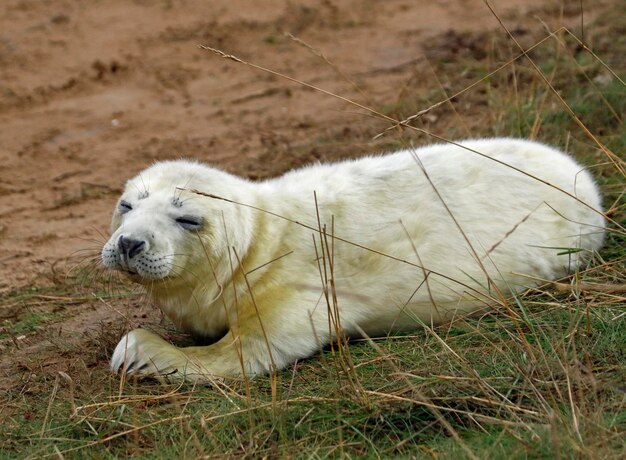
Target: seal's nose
x,y
130,247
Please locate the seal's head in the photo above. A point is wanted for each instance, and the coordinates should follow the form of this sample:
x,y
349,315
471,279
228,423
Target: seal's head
x,y
160,229
154,223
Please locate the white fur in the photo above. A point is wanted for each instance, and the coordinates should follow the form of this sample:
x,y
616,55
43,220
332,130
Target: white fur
x,y
416,236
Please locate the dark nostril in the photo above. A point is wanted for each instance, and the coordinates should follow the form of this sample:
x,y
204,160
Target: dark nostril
x,y
130,247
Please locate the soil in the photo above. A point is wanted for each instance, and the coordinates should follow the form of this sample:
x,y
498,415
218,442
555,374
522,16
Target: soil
x,y
93,92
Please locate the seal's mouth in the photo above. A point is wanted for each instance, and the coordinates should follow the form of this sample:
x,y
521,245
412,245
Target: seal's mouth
x,y
144,268
134,276
140,279
131,273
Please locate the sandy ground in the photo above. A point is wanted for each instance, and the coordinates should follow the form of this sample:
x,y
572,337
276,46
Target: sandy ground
x,y
93,92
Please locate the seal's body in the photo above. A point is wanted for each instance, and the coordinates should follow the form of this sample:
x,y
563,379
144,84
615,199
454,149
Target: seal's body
x,y
382,243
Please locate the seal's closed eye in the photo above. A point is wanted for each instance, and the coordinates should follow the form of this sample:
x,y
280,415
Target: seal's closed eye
x,y
124,207
189,222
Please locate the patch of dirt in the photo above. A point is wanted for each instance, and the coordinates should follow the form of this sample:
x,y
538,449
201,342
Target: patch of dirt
x,y
93,92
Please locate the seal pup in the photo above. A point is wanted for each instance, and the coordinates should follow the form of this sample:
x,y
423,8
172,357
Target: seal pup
x,y
394,241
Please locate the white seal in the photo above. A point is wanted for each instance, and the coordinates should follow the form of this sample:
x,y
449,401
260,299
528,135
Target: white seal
x,y
274,270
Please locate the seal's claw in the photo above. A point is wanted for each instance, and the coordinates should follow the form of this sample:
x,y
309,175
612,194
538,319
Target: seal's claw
x,y
143,353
